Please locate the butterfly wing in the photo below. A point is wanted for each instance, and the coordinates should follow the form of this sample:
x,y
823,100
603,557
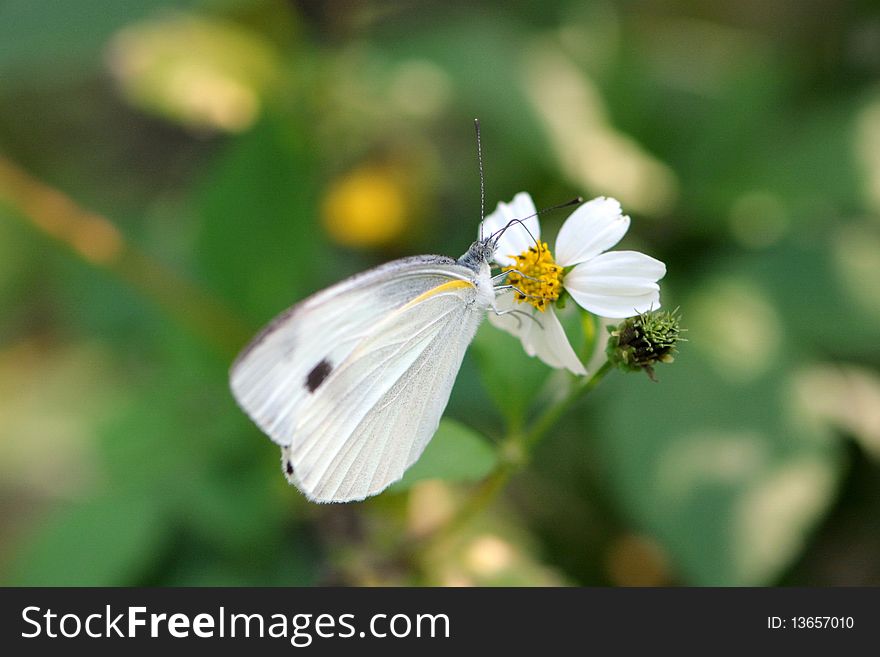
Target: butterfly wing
x,y
352,382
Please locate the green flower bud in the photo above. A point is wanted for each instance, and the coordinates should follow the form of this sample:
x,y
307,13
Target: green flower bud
x,y
640,342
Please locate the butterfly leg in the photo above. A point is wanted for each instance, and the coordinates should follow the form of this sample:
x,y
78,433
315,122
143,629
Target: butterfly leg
x,y
517,313
513,271
501,288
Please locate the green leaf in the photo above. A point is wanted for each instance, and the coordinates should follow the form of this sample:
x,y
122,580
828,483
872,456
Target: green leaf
x,y
456,453
107,541
260,247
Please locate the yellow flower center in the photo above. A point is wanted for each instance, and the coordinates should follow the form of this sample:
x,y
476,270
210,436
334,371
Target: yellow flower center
x,y
536,277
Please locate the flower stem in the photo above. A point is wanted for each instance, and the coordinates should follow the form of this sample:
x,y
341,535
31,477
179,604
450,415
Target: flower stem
x,y
514,451
551,416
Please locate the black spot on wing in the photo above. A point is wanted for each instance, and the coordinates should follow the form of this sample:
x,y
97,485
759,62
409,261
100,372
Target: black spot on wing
x,y
318,374
287,464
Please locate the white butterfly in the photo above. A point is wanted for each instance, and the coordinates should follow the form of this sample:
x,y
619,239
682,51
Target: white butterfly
x,y
351,382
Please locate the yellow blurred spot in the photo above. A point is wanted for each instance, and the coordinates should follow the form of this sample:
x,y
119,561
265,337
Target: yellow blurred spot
x,y
206,97
366,208
430,506
497,555
737,328
203,73
455,578
97,240
758,220
634,560
89,234
53,400
772,519
844,396
489,555
593,154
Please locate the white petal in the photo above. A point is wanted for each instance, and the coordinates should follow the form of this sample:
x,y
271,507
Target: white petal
x,y
617,284
615,307
516,239
594,227
548,342
514,323
629,264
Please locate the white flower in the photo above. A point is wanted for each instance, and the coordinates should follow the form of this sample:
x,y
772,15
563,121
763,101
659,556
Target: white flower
x,y
615,284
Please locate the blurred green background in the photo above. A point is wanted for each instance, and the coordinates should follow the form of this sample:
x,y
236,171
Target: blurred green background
x,y
173,174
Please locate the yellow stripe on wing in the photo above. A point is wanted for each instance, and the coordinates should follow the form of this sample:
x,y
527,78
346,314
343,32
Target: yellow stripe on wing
x,y
451,285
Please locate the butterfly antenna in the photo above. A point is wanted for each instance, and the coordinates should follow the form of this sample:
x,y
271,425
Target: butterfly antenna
x,y
482,182
497,234
577,200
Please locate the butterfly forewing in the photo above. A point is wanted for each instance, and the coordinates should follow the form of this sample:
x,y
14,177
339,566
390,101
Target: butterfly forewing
x,y
353,380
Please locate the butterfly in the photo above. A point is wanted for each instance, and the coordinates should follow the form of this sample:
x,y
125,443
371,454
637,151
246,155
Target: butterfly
x,y
352,381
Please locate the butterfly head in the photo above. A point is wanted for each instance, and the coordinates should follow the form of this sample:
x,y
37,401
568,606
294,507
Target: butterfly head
x,y
480,252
